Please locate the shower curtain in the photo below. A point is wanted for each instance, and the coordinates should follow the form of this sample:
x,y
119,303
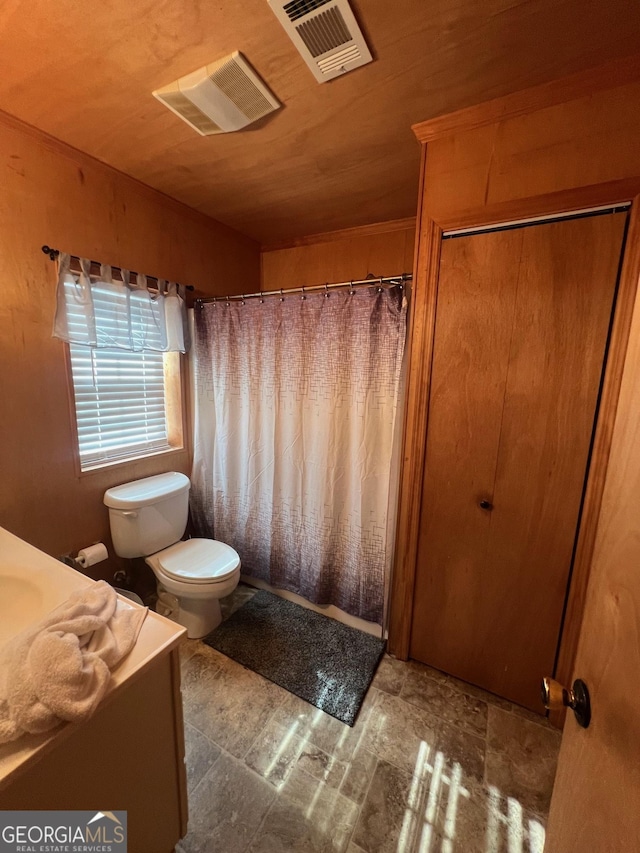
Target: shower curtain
x,y
296,421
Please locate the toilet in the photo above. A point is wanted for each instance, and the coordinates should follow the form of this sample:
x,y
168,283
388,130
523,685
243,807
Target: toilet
x,y
147,519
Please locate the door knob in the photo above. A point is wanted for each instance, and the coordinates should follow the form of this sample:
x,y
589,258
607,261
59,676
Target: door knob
x,y
486,505
556,697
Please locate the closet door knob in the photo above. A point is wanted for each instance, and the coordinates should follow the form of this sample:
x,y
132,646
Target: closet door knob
x,y
486,505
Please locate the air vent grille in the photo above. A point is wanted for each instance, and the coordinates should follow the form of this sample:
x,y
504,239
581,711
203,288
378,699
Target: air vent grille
x,y
240,89
299,8
324,32
339,60
189,112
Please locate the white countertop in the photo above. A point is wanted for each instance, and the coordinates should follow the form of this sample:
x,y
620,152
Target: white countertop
x,y
40,583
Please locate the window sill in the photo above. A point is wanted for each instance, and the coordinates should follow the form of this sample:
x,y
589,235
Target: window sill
x,y
130,460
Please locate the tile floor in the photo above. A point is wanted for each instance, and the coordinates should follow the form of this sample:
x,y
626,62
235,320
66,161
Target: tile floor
x,y
432,765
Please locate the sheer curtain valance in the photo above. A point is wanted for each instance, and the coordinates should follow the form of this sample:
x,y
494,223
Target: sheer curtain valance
x,y
102,313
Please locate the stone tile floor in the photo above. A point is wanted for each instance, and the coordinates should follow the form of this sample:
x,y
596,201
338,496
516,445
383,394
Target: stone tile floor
x,y
433,765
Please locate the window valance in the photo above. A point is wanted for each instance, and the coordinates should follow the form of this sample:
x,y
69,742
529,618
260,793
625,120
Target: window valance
x,y
102,313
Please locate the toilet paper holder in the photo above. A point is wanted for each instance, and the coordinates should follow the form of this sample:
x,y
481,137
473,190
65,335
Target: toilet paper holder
x,y
91,555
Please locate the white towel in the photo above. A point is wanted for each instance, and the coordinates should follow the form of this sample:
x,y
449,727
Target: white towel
x,y
59,669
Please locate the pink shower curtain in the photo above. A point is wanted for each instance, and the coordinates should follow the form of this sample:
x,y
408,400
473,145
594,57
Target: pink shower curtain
x,y
297,418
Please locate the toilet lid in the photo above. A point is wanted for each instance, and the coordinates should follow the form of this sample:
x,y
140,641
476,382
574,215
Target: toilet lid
x,y
199,561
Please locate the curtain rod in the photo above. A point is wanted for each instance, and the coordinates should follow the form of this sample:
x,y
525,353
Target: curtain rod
x,y
364,282
53,255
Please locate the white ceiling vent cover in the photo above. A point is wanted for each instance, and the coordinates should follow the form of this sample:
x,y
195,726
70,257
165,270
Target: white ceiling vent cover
x,y
326,35
224,96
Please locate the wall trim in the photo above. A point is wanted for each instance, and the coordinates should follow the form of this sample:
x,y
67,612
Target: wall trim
x,y
419,352
405,224
573,87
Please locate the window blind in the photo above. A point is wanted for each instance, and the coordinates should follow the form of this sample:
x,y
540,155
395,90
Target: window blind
x,y
119,395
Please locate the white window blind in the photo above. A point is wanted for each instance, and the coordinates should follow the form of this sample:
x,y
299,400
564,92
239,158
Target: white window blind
x,y
120,396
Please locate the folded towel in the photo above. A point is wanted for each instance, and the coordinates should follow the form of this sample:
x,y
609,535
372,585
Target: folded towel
x,y
59,669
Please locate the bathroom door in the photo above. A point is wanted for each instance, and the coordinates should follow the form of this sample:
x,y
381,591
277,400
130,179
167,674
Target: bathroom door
x,y
521,331
597,789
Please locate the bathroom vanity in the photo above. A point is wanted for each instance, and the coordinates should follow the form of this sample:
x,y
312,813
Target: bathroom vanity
x,y
130,754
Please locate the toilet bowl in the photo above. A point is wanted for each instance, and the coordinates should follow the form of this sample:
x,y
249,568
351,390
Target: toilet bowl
x,y
147,519
199,572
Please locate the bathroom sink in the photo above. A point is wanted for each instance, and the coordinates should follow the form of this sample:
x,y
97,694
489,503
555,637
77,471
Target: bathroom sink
x,y
31,585
20,601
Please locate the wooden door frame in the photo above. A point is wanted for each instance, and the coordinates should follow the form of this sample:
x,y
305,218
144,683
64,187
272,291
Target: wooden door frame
x,y
423,315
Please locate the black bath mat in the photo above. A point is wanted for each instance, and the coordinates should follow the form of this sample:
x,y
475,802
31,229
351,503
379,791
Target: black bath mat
x,y
322,661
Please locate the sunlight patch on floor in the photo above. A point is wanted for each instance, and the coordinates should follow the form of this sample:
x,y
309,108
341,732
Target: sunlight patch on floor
x,y
282,747
431,783
425,794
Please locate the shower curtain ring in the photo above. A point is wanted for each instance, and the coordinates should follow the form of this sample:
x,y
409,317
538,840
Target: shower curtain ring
x,y
228,302
281,296
351,290
326,290
303,293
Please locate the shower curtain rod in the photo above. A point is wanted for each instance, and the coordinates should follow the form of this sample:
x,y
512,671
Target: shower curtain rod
x,y
378,280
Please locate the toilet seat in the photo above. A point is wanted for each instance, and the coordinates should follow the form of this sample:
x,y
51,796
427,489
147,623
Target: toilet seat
x,y
198,561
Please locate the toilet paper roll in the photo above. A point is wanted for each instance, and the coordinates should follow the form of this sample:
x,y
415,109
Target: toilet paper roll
x,y
92,554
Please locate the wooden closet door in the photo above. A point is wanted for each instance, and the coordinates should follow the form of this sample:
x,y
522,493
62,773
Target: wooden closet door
x,y
521,329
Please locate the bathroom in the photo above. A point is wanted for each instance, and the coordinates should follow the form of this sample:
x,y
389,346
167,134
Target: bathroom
x,y
524,114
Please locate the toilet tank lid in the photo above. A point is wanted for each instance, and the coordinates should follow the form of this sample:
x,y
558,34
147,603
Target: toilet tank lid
x,y
148,491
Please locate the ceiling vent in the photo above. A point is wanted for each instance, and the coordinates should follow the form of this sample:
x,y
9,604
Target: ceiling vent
x,y
227,95
326,35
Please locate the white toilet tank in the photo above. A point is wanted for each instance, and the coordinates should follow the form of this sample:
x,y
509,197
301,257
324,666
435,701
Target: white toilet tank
x,y
148,515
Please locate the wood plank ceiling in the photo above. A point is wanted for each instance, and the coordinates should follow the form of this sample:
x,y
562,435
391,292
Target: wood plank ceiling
x,y
339,154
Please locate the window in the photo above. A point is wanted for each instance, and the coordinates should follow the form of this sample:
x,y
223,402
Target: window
x,y
127,404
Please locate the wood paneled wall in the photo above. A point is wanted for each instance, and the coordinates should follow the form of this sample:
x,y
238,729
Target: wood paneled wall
x,y
488,172
560,147
382,249
55,195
